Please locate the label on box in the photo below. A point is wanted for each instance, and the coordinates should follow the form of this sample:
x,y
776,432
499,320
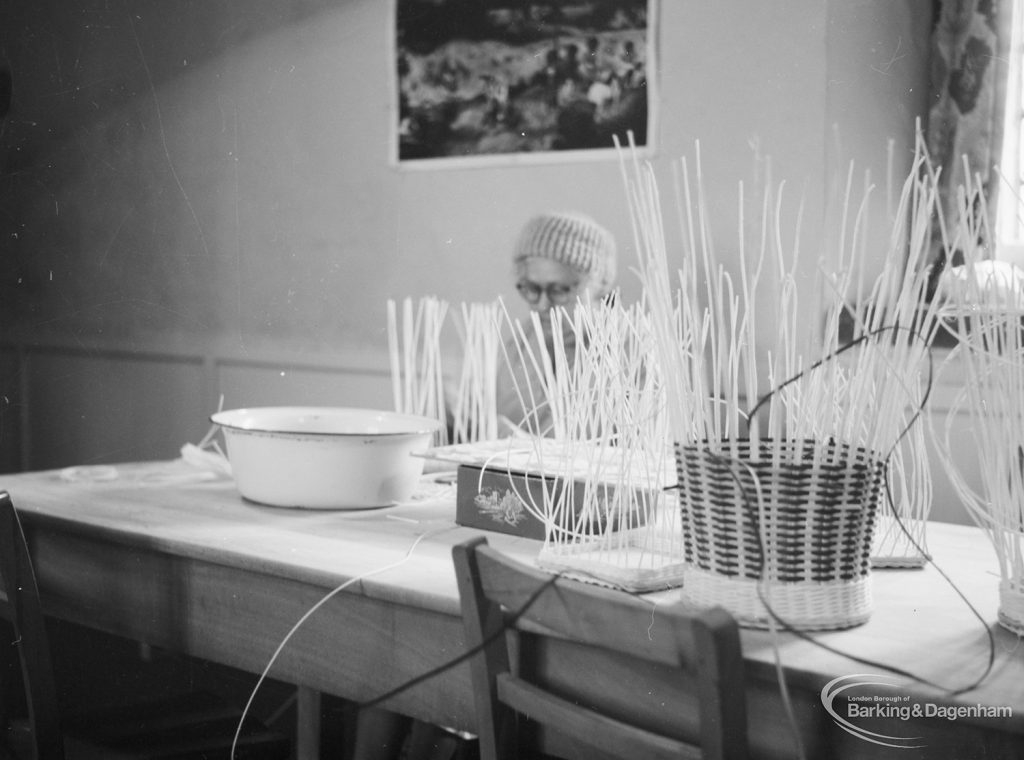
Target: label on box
x,y
496,500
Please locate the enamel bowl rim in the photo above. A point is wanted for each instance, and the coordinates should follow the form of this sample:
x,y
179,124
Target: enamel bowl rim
x,y
247,420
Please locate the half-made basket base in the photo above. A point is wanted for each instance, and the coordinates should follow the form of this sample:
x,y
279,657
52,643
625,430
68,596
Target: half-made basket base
x,y
801,605
632,565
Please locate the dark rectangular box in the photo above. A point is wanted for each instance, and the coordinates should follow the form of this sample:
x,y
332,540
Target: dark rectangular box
x,y
494,500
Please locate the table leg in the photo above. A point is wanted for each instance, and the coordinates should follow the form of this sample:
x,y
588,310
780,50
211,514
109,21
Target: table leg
x,y
307,724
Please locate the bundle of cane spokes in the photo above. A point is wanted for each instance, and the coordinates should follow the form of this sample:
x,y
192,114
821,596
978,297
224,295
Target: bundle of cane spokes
x,y
414,350
778,499
898,308
606,465
418,336
985,301
474,412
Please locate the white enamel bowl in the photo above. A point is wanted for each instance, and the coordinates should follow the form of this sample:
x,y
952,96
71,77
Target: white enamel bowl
x,y
324,457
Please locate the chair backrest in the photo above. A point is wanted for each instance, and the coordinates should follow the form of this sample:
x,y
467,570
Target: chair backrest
x,y
18,582
594,668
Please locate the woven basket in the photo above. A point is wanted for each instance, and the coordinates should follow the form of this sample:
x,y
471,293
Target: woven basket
x,y
807,543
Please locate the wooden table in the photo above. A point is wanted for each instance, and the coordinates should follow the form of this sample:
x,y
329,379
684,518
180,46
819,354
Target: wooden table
x,y
166,555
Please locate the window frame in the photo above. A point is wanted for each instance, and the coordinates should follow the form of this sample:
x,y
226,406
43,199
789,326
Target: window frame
x,y
1010,211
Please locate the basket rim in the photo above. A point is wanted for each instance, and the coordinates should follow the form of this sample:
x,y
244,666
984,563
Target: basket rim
x,y
794,453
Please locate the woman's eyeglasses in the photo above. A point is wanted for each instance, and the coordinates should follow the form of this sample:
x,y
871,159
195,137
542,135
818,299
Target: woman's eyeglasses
x,y
558,293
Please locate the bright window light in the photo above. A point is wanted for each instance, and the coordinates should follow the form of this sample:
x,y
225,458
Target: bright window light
x,y
1010,217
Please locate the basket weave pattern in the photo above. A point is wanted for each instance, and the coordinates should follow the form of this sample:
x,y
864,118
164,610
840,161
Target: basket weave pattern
x,y
815,519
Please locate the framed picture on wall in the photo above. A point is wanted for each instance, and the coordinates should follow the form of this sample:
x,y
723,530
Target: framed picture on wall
x,y
500,81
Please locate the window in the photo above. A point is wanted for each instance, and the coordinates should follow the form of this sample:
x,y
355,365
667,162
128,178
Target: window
x,y
1010,216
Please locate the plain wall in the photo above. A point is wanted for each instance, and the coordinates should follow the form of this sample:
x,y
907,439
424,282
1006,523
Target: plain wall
x,y
219,171
205,188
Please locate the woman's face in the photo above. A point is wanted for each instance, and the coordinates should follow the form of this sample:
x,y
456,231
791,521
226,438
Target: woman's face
x,y
544,283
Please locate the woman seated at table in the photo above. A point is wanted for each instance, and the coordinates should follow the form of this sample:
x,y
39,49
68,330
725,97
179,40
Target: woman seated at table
x,y
559,258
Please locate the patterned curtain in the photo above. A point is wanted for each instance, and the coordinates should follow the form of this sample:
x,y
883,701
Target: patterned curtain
x,y
970,53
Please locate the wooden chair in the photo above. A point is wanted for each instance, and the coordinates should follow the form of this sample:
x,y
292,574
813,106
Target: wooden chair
x,y
587,672
191,725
